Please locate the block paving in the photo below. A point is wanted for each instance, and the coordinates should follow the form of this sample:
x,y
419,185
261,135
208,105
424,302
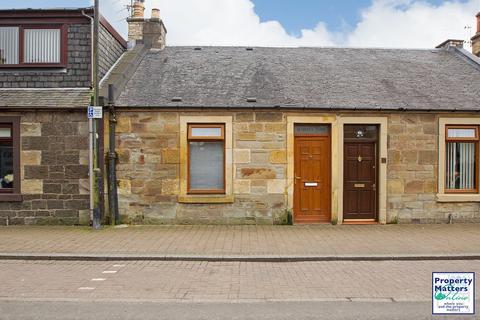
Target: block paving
x,y
250,241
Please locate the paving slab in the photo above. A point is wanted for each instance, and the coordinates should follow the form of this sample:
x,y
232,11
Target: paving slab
x,y
244,243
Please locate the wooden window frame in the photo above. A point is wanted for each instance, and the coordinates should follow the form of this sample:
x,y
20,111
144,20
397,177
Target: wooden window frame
x,y
475,140
21,46
190,138
13,194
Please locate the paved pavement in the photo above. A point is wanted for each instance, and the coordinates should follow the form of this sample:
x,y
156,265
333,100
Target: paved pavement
x,y
220,290
245,242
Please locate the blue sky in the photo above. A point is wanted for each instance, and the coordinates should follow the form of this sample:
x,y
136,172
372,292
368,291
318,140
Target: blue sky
x,y
370,23
294,15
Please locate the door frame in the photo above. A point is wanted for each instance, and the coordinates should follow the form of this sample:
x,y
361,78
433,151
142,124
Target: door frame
x,y
382,123
334,178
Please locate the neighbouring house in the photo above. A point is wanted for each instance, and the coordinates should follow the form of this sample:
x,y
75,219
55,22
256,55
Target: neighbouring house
x,y
45,87
253,135
476,38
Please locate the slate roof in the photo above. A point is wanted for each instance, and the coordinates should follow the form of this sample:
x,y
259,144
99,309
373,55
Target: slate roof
x,y
45,98
323,78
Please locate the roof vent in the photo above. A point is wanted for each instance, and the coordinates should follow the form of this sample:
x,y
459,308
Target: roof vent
x,y
177,99
251,100
197,49
249,49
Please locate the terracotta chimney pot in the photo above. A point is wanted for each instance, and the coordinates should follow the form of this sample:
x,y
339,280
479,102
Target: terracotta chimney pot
x,y
478,22
155,14
138,9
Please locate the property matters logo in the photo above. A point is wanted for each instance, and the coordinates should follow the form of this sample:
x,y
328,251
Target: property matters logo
x,y
453,293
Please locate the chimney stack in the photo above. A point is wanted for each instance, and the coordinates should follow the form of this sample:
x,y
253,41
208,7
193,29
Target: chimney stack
x,y
151,32
135,22
476,39
450,43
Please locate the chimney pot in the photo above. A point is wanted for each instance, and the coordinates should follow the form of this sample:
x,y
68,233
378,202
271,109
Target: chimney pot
x,y
478,22
155,14
138,9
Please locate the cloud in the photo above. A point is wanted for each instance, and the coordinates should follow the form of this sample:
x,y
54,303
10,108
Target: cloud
x,y
385,23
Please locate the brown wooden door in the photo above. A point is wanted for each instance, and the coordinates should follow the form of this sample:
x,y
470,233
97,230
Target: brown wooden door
x,y
312,192
360,194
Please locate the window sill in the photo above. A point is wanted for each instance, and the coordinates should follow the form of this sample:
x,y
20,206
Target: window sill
x,y
33,65
11,197
442,197
206,199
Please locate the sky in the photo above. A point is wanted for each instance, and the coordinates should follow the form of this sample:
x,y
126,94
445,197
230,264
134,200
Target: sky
x,y
346,23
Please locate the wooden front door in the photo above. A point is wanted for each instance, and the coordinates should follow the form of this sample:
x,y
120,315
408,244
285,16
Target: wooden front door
x,y
312,192
360,174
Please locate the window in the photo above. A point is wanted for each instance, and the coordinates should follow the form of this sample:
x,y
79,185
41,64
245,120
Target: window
x,y
36,46
461,159
9,158
206,158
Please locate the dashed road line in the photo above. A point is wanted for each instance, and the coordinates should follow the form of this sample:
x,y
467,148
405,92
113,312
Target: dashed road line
x,y
86,288
109,271
98,279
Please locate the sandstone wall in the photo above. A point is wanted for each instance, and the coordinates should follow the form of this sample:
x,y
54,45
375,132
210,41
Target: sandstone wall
x,y
148,170
413,173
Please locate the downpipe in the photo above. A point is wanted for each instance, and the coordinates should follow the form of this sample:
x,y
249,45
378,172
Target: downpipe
x,y
112,160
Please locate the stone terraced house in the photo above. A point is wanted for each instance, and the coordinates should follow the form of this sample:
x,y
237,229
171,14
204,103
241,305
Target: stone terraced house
x,y
324,135
45,87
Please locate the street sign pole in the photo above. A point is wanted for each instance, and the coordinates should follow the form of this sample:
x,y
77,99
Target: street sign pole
x,y
93,113
91,174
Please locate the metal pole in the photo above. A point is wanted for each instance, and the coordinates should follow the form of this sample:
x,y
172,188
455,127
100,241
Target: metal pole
x,y
90,169
95,156
96,28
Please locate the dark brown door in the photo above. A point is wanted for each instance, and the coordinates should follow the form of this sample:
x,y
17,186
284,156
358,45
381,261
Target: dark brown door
x,y
312,192
360,190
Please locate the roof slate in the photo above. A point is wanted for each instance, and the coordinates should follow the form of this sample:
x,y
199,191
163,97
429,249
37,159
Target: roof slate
x,y
45,98
323,78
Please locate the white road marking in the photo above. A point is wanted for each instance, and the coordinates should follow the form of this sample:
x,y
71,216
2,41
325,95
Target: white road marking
x,y
86,288
118,265
98,279
110,271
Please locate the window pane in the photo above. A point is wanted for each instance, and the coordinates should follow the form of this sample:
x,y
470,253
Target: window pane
x,y
5,132
6,165
354,131
206,165
207,132
313,129
461,166
9,45
461,133
42,46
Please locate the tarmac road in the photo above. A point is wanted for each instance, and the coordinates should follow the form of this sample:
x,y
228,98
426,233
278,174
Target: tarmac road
x,y
227,310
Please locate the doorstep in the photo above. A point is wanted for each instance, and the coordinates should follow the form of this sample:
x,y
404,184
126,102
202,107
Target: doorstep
x,y
360,221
